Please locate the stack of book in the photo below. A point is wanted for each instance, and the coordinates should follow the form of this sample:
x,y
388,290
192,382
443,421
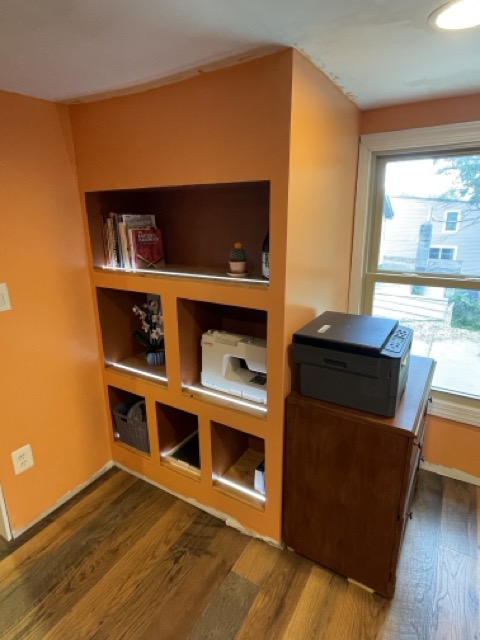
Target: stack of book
x,y
132,241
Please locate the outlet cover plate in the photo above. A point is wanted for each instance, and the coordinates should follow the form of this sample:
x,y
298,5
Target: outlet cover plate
x,y
4,298
22,459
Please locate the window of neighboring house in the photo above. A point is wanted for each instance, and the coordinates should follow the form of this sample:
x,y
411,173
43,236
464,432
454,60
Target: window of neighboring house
x,y
451,221
401,269
442,253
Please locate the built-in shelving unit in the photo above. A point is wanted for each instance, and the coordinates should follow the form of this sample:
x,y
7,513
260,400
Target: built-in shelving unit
x,y
204,441
266,146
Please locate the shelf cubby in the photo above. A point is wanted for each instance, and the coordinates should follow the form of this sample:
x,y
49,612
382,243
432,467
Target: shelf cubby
x,y
196,317
235,457
129,421
199,223
178,439
118,324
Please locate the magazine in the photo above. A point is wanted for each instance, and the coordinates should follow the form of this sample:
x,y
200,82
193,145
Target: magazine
x,y
147,248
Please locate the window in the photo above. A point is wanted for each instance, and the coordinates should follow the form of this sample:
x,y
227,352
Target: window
x,y
442,253
413,190
451,221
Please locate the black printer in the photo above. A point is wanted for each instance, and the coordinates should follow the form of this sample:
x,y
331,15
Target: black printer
x,y
358,361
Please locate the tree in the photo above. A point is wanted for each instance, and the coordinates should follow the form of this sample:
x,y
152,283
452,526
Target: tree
x,y
465,174
464,171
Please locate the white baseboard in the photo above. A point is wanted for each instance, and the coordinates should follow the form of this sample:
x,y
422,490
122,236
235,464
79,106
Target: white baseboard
x,y
456,474
214,512
5,530
68,496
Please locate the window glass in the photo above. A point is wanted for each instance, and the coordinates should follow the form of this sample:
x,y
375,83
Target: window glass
x,y
451,221
424,261
446,327
417,216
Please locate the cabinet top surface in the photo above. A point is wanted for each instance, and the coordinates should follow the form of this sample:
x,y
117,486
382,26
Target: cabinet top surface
x,y
411,404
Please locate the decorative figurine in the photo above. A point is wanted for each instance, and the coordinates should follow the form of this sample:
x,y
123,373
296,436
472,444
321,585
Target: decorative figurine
x,y
238,261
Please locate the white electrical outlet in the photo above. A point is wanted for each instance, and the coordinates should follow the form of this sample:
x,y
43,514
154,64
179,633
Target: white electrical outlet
x,y
22,459
4,298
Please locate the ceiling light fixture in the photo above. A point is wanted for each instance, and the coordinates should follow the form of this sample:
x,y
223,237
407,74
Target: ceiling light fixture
x,y
460,14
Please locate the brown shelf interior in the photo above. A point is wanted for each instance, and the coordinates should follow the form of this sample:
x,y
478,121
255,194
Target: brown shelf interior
x,y
199,223
178,433
118,398
195,318
235,456
118,325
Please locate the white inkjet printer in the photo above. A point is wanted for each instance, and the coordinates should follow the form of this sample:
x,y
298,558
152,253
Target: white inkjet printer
x,y
358,361
235,364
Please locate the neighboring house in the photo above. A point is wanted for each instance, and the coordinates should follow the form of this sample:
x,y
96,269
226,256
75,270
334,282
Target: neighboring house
x,y
435,235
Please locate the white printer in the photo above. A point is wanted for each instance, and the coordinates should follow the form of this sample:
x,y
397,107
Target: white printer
x,y
235,364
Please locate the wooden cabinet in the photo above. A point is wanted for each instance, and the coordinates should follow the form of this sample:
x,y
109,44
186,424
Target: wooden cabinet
x,y
349,479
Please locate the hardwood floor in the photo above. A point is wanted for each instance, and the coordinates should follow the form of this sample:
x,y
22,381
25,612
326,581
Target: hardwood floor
x,y
124,560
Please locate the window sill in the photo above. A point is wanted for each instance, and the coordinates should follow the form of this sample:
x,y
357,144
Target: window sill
x,y
465,411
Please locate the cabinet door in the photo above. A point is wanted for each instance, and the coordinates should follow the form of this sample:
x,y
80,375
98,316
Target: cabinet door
x,y
342,490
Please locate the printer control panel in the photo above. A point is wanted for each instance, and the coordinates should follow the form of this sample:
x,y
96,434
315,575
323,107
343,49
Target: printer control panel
x,y
398,341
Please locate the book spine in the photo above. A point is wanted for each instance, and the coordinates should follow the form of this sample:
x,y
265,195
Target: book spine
x,y
123,242
106,244
109,239
115,243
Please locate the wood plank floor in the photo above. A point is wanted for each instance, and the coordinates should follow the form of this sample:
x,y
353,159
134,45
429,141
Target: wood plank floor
x,y
124,560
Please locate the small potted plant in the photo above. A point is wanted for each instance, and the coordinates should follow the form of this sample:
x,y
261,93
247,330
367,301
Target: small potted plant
x,y
238,260
152,338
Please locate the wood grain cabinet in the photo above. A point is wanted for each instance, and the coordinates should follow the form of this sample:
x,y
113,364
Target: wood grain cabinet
x,y
349,480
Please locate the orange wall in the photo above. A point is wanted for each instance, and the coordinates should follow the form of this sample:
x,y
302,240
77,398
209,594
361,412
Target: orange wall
x,y
50,378
453,445
448,444
231,125
422,114
322,183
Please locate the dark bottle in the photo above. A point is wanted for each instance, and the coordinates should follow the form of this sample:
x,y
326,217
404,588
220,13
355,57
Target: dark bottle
x,y
266,257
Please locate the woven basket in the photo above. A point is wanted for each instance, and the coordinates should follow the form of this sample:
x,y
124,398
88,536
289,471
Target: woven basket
x,y
131,425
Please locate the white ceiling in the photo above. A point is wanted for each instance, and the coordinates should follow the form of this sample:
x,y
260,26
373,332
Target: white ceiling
x,y
378,52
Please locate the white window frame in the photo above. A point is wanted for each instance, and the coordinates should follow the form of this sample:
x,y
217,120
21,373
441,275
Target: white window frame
x,y
444,138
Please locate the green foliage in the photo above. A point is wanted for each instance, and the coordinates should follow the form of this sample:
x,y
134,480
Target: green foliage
x,y
465,170
466,309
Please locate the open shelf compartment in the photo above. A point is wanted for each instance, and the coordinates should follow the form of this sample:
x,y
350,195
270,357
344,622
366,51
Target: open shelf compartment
x,y
129,419
118,325
238,462
223,370
178,439
235,211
